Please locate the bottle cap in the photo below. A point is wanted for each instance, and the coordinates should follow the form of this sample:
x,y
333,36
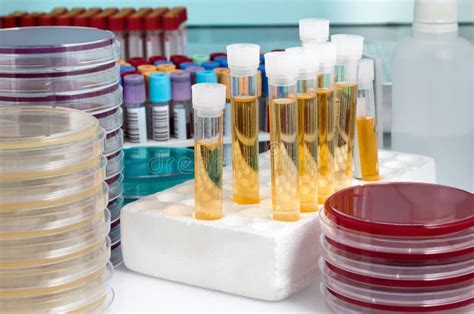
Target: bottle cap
x,y
11,21
206,76
154,20
135,22
117,22
327,52
134,91
223,77
307,60
181,86
314,30
222,60
348,46
160,87
281,65
366,70
170,21
185,65
243,56
144,68
199,58
435,16
209,65
209,98
127,68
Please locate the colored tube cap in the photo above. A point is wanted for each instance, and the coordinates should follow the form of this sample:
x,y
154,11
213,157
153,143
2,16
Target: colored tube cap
x,y
160,62
160,87
134,91
153,59
222,60
207,76
193,70
200,58
144,68
181,86
210,65
127,68
213,55
136,61
185,65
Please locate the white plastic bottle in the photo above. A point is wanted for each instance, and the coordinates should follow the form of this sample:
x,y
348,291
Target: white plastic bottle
x,y
433,105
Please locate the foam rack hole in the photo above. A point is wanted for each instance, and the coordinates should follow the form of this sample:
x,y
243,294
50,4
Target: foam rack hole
x,y
407,158
170,197
178,210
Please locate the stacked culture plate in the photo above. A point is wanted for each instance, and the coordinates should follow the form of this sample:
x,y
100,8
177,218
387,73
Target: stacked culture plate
x,y
69,67
398,247
54,245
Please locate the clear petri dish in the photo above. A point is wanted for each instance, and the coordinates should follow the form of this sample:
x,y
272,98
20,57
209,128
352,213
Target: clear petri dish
x,y
55,49
41,141
113,141
95,103
82,298
51,249
59,83
103,305
336,305
50,220
114,233
114,207
110,120
114,164
366,270
37,192
116,257
115,186
401,209
456,246
396,298
53,278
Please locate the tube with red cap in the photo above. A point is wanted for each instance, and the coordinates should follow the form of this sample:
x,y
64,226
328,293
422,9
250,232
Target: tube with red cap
x,y
117,25
83,19
30,20
170,34
100,20
153,24
136,45
48,19
182,30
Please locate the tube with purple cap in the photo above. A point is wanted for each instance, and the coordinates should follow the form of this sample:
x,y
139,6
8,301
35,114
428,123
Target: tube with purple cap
x,y
134,100
182,107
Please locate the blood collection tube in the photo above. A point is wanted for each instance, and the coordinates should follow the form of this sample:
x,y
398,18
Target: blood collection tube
x,y
223,77
206,76
66,19
222,60
153,25
160,96
136,43
213,55
137,61
185,65
243,63
100,20
117,25
182,109
200,58
9,22
170,34
208,105
349,52
183,33
366,161
134,98
153,59
306,89
313,31
83,19
282,71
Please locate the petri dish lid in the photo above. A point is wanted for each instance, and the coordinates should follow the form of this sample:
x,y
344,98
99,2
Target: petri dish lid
x,y
396,298
49,220
55,49
402,209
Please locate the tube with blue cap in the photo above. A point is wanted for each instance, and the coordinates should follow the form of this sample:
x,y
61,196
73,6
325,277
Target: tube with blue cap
x,y
160,96
206,76
210,65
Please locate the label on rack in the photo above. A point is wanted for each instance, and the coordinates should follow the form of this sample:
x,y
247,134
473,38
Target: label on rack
x,y
161,123
179,120
136,125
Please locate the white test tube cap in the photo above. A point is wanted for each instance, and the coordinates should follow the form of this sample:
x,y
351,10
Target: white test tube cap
x,y
208,98
316,30
327,52
308,62
435,16
366,70
281,65
348,46
243,56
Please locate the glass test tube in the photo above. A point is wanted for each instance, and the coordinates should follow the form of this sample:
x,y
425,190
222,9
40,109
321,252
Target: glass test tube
x,y
208,105
306,88
134,98
160,96
182,120
366,163
349,52
243,61
282,69
223,77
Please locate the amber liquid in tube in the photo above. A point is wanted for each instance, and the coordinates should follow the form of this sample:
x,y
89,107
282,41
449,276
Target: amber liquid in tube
x,y
308,151
368,151
284,167
208,179
326,135
345,100
245,149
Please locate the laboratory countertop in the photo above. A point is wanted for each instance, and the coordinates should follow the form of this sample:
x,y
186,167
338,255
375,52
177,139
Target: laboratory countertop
x,y
135,292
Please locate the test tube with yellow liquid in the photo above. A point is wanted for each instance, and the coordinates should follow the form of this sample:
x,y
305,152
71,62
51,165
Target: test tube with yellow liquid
x,y
243,60
366,161
349,52
208,104
306,88
282,70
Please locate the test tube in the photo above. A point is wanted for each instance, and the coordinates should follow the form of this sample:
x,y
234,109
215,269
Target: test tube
x,y
170,34
243,62
313,31
117,24
136,43
153,23
134,97
306,89
208,105
223,77
206,76
160,96
165,67
282,71
182,109
349,52
366,161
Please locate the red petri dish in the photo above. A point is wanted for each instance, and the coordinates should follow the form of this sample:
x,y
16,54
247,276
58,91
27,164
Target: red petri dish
x,y
402,209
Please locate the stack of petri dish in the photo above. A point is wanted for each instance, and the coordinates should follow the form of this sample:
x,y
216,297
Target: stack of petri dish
x,y
72,67
398,247
54,224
